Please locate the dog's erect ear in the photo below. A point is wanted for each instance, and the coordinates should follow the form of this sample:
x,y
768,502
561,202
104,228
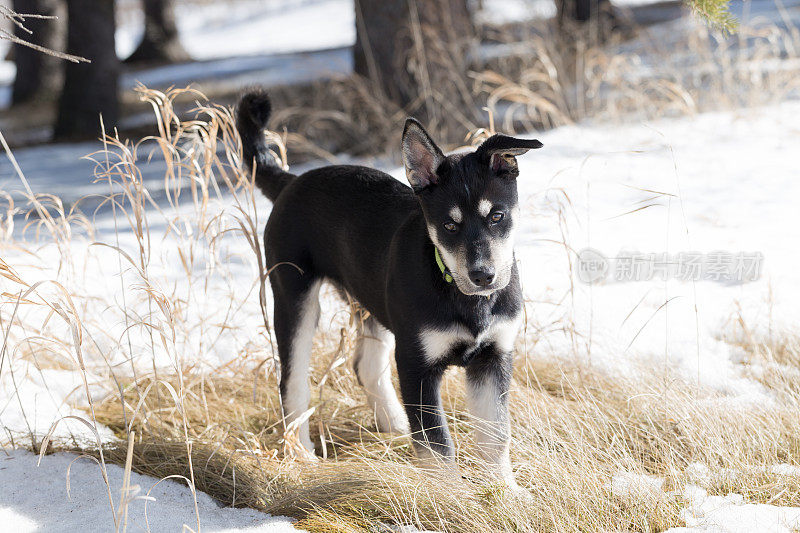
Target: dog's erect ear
x,y
421,156
499,151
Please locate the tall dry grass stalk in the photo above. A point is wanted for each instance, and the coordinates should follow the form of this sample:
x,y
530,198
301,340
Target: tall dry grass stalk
x,y
158,325
180,343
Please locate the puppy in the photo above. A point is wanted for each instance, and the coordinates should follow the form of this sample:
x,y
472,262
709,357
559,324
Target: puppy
x,y
432,263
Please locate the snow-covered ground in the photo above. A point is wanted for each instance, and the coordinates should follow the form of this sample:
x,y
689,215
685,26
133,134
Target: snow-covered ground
x,y
717,182
732,514
215,30
718,514
35,499
708,183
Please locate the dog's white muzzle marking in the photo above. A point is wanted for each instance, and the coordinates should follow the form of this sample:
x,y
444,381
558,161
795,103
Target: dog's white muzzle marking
x,y
501,252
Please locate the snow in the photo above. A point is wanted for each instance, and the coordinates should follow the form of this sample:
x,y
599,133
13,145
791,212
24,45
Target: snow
x,y
241,42
636,487
44,397
704,513
505,11
730,514
253,42
785,470
35,499
247,42
248,27
265,70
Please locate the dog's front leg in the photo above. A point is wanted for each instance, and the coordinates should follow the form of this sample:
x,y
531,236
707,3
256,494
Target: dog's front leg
x,y
420,388
488,379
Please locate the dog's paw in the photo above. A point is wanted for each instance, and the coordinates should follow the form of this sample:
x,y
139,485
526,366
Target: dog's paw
x,y
392,421
506,489
436,464
518,493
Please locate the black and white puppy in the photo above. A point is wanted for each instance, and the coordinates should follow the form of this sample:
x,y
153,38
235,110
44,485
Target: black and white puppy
x,y
433,264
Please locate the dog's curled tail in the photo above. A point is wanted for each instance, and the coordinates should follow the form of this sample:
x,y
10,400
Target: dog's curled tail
x,y
252,115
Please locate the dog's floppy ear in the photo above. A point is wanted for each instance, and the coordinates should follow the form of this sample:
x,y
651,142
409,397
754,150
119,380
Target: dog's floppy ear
x,y
421,156
499,151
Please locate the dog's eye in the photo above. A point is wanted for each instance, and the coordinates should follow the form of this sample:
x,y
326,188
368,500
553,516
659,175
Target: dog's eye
x,y
496,217
452,227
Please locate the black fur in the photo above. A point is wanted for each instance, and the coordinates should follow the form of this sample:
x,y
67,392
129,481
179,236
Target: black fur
x,y
251,119
367,233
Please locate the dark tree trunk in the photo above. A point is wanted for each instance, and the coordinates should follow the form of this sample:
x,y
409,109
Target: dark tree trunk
x,y
160,43
38,75
416,52
586,10
379,25
592,21
90,89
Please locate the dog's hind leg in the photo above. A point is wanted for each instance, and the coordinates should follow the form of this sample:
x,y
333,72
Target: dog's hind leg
x,y
373,368
296,315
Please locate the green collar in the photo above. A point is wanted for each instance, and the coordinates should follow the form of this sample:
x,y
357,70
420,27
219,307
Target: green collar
x,y
445,273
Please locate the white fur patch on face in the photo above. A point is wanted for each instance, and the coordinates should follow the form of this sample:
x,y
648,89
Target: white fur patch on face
x,y
484,207
455,214
502,251
437,343
454,263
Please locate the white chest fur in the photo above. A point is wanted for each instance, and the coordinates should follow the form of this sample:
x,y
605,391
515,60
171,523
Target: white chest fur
x,y
437,343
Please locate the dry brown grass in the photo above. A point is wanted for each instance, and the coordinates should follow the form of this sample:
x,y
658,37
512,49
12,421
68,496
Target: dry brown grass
x,y
574,429
219,427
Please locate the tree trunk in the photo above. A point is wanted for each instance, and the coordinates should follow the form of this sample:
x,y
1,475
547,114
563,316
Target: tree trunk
x,y
596,11
416,52
160,43
588,21
38,75
90,89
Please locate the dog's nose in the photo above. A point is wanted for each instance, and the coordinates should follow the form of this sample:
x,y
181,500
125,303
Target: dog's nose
x,y
482,278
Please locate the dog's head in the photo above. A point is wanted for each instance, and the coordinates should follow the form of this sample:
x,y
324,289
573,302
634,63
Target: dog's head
x,y
470,205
